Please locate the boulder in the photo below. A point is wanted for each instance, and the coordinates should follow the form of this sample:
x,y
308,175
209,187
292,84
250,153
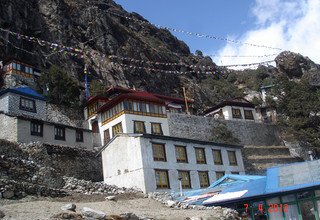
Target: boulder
x,y
70,207
67,215
2,215
90,213
171,203
8,194
111,198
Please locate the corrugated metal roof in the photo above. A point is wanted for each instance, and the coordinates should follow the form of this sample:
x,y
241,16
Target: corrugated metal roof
x,y
26,91
285,178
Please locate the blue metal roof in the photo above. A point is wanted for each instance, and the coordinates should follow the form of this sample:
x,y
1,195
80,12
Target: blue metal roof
x,y
25,91
280,179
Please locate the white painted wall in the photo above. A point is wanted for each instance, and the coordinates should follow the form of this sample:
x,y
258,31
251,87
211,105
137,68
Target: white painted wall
x,y
227,112
128,124
122,163
135,155
172,166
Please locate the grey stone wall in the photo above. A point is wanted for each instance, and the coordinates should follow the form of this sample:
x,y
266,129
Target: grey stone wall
x,y
4,103
64,115
24,136
14,104
200,128
15,80
8,128
47,164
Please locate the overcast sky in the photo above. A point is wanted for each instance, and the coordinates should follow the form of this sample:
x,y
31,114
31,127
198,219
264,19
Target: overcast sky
x,y
287,24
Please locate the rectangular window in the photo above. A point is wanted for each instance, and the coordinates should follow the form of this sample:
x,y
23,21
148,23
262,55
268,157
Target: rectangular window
x,y
232,158
162,179
156,129
181,154
204,179
59,133
117,129
27,105
237,173
236,113
79,136
248,115
106,136
152,108
217,157
139,127
185,179
36,128
219,175
200,155
159,152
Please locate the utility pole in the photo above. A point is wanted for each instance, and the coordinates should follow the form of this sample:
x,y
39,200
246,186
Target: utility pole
x,y
185,100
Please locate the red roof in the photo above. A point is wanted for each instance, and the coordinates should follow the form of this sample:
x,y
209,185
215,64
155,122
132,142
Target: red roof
x,y
163,97
138,95
93,99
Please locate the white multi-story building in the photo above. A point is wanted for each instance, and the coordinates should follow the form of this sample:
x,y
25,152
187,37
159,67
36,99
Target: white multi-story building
x,y
124,110
237,109
155,163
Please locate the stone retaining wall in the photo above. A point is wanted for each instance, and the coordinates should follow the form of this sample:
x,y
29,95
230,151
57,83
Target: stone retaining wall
x,y
200,128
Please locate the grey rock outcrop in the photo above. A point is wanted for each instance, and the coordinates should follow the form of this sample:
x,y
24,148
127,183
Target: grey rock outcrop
x,y
295,65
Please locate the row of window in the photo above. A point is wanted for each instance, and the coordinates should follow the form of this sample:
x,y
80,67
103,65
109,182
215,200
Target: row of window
x,y
131,106
19,67
162,178
36,129
138,128
236,113
159,154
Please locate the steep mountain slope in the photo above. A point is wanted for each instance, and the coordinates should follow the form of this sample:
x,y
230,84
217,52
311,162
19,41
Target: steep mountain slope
x,y
101,29
89,25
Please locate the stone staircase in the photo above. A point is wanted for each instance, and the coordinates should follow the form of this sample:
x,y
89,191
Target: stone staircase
x,y
258,158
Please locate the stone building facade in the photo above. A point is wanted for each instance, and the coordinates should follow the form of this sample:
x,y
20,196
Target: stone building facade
x,y
24,117
155,163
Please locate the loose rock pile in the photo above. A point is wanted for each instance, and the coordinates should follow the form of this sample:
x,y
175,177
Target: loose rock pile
x,y
88,187
69,212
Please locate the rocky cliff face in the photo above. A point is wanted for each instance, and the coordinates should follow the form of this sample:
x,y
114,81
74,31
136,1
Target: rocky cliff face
x,y
89,25
92,26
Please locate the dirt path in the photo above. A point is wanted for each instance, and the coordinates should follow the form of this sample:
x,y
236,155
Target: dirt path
x,y
142,207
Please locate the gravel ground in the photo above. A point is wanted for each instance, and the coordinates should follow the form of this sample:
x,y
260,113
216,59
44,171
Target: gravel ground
x,y
31,208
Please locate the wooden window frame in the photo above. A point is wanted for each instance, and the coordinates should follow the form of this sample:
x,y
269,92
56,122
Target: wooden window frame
x,y
196,149
36,133
63,129
167,184
24,108
135,127
235,156
188,185
158,159
220,172
185,160
220,153
248,114
79,135
114,127
106,136
207,184
152,130
235,113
